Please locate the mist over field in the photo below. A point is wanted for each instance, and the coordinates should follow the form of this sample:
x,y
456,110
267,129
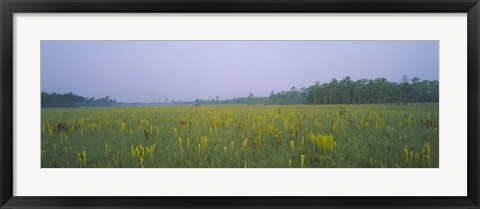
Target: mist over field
x,y
150,71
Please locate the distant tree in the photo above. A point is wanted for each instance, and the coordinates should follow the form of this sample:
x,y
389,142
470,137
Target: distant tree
x,y
334,86
405,88
347,85
415,80
250,98
415,89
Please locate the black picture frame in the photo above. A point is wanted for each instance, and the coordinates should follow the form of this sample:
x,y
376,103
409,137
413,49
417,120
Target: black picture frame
x,y
9,7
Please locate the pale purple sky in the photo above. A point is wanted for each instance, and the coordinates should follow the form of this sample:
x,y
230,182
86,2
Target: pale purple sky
x,y
149,71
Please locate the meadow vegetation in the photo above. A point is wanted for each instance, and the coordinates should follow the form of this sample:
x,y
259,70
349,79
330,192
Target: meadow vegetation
x,y
242,136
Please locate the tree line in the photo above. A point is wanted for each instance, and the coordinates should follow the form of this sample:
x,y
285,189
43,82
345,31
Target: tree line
x,y
73,100
347,91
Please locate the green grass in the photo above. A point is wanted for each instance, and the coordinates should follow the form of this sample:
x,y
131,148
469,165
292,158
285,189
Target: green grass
x,y
366,136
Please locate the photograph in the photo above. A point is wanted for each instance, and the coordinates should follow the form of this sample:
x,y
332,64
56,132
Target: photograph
x,y
278,104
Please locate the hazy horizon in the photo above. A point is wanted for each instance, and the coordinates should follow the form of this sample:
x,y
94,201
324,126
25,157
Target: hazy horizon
x,y
150,71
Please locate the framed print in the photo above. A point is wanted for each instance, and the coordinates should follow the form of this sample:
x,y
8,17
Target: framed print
x,y
247,104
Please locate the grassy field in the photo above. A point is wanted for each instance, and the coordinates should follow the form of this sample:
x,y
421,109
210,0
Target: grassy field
x,y
295,136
